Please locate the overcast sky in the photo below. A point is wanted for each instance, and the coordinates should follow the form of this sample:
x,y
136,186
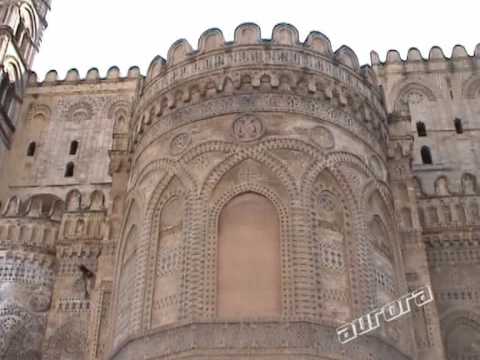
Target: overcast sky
x,y
103,33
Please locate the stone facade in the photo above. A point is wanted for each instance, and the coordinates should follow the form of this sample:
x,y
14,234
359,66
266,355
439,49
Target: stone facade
x,y
242,201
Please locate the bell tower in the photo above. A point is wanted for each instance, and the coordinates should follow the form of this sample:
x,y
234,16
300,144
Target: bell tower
x,y
22,23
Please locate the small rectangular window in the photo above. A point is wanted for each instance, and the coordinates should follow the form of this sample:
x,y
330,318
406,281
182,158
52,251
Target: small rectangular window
x,y
458,126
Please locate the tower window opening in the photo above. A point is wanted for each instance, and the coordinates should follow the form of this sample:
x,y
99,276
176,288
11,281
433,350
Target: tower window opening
x,y
73,147
426,155
69,170
421,129
458,126
31,149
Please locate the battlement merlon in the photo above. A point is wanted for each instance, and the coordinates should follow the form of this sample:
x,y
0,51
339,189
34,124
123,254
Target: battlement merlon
x,y
460,60
214,53
113,80
281,64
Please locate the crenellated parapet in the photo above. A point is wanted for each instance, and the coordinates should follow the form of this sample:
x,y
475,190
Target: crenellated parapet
x,y
460,59
92,76
255,74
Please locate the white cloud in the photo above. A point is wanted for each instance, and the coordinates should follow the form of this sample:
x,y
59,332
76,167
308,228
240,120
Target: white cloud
x,y
103,33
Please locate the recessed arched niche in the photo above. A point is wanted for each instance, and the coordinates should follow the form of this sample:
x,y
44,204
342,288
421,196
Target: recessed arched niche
x,y
248,258
330,230
126,285
168,267
382,249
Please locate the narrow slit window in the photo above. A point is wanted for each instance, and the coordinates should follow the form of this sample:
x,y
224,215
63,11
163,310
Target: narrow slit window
x,y
421,129
458,126
73,147
426,155
69,170
31,149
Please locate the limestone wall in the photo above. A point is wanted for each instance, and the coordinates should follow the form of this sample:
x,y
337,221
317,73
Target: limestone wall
x,y
442,94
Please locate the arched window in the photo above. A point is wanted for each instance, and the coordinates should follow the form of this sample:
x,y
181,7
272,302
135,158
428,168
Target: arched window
x,y
458,126
69,170
421,129
73,147
31,149
426,155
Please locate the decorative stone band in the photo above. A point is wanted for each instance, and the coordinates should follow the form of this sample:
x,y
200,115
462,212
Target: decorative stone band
x,y
259,103
282,340
26,268
28,234
257,54
390,312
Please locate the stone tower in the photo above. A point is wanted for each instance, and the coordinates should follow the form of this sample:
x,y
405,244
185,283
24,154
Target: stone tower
x,y
259,214
26,269
21,28
241,200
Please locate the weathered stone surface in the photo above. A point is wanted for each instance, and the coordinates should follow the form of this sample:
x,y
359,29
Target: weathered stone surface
x,y
239,202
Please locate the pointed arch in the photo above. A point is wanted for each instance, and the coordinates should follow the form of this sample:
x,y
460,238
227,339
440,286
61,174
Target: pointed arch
x,y
359,270
97,200
249,170
384,252
471,87
469,184
31,21
125,289
330,230
73,200
167,228
277,168
460,330
148,246
404,93
167,166
12,207
213,225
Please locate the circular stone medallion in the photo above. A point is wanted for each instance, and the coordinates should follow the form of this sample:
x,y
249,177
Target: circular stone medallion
x,y
248,128
180,143
322,137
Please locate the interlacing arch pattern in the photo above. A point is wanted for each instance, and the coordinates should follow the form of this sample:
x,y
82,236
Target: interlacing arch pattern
x,y
378,187
199,229
169,188
356,243
208,235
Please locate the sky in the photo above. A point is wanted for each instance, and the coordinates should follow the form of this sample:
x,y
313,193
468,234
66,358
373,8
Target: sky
x,y
103,33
